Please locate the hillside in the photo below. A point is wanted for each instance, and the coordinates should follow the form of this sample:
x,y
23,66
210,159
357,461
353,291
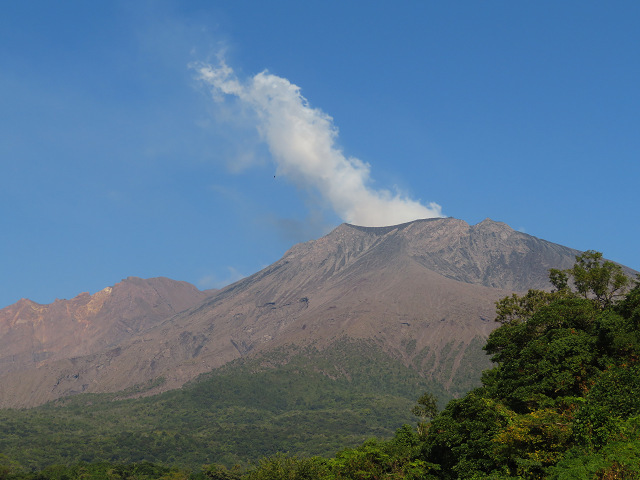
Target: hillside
x,y
557,405
423,291
298,400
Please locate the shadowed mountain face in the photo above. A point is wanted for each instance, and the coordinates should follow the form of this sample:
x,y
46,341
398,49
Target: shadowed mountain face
x,y
423,291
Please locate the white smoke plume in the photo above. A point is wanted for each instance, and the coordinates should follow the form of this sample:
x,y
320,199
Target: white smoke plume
x,y
302,141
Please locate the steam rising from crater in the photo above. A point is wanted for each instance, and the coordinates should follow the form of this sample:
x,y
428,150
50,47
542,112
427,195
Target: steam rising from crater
x,y
302,141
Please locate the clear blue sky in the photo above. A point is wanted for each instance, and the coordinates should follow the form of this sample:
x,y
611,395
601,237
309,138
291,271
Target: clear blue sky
x,y
118,159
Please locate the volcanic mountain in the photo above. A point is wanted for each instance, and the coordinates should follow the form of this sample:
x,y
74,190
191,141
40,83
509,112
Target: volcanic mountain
x,y
423,291
31,333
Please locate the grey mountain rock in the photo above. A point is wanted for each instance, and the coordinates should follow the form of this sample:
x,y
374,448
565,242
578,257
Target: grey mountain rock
x,y
431,284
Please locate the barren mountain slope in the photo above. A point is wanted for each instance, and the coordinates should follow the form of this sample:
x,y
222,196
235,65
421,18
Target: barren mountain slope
x,y
31,334
424,290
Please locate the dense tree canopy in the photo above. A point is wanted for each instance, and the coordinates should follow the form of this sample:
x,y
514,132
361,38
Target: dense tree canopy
x,y
563,396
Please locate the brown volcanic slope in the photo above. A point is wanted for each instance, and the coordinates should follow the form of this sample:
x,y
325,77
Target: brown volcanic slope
x,y
429,284
31,333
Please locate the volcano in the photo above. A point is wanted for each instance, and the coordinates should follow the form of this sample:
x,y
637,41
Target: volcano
x,y
424,292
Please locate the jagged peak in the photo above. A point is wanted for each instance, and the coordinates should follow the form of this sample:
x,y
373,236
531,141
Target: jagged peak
x,y
492,226
25,303
489,222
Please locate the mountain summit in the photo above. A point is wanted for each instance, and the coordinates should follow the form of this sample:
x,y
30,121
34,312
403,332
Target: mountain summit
x,y
422,291
489,253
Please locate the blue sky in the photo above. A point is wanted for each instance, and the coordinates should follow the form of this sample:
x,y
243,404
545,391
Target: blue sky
x,y
119,157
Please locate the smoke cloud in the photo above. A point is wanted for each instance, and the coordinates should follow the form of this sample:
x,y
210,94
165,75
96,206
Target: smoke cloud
x,y
302,142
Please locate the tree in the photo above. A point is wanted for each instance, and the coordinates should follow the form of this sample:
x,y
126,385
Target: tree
x,y
564,396
593,277
629,306
460,438
553,354
519,308
426,409
7,467
220,472
530,443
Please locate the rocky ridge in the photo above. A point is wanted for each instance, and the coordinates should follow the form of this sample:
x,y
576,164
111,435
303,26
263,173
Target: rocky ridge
x,y
31,333
424,291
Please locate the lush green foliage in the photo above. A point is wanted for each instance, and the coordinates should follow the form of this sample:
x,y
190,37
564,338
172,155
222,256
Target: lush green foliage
x,y
562,402
309,402
600,280
94,471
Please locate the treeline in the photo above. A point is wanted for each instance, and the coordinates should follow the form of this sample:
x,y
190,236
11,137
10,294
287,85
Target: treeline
x,y
562,402
306,401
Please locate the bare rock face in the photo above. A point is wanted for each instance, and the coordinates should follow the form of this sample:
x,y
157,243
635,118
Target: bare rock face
x,y
424,291
489,253
31,334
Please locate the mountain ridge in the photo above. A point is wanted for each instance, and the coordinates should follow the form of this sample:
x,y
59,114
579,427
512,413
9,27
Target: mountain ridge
x,y
431,284
87,322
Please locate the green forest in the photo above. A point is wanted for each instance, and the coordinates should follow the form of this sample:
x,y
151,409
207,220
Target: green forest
x,y
562,401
